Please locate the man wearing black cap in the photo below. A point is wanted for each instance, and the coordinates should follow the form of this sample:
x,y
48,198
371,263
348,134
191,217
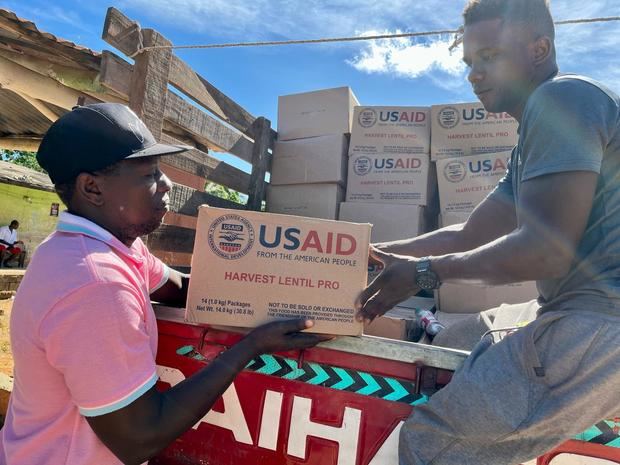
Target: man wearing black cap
x,y
83,331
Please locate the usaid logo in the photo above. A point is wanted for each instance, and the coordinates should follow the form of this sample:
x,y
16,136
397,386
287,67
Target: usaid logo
x,y
455,171
448,117
367,118
231,236
362,166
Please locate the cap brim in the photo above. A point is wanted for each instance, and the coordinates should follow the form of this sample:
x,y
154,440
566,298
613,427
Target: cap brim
x,y
160,149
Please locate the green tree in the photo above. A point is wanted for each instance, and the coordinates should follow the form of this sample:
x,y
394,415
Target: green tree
x,y
19,157
223,192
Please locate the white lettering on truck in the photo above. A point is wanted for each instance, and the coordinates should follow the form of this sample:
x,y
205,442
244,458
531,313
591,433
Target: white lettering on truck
x,y
300,428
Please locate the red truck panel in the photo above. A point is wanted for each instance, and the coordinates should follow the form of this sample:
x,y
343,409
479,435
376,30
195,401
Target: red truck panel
x,y
324,407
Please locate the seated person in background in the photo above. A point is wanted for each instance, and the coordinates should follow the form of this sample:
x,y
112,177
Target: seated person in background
x,y
9,245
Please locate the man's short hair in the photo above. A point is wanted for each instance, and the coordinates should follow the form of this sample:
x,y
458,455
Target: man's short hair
x,y
65,190
533,13
14,223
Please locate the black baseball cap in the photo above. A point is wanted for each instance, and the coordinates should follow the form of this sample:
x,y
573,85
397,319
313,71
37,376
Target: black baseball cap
x,y
92,137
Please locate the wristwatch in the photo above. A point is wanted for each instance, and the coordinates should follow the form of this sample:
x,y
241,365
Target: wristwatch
x,y
425,278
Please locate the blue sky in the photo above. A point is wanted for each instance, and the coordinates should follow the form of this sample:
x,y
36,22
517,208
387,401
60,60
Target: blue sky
x,y
395,72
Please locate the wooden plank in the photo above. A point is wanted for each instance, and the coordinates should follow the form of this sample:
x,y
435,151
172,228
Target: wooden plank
x,y
179,176
183,221
28,144
186,200
25,81
115,74
172,238
122,33
201,164
216,135
260,164
148,90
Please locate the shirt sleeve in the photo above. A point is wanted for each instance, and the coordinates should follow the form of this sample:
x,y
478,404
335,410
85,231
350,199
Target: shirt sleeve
x,y
566,127
504,186
4,234
97,338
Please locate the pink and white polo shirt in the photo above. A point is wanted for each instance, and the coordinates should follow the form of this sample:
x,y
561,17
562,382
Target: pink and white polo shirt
x,y
84,339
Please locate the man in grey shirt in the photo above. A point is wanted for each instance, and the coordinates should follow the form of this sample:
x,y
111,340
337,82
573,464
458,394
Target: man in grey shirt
x,y
554,218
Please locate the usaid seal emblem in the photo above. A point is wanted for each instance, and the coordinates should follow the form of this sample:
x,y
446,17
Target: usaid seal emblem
x,y
362,166
448,117
455,171
231,236
367,118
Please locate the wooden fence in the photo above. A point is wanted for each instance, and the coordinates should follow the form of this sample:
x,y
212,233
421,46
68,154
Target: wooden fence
x,y
196,114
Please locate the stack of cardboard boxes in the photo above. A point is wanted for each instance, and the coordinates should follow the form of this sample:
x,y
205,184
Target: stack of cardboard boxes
x,y
390,183
309,168
393,165
389,180
471,148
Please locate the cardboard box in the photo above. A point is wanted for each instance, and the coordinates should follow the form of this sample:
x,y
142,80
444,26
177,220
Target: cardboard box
x,y
310,114
390,327
389,178
251,268
312,160
468,298
399,130
465,182
390,222
400,322
459,130
310,200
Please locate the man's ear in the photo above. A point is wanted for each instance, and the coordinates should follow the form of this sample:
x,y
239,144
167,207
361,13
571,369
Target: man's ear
x,y
88,187
542,50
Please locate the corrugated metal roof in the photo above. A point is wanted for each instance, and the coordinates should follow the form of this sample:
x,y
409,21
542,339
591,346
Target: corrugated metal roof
x,y
22,38
16,32
11,173
19,118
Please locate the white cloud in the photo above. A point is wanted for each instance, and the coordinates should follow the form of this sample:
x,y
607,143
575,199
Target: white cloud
x,y
405,58
242,20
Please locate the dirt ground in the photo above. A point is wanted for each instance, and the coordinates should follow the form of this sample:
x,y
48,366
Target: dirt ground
x,y
6,357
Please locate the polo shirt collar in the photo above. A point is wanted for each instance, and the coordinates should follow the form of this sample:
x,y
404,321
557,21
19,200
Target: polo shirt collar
x,y
74,224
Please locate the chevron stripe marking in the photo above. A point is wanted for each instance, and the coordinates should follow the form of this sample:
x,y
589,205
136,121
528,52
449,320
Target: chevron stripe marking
x,y
345,380
321,375
271,365
385,387
372,385
399,390
296,372
332,379
309,373
358,382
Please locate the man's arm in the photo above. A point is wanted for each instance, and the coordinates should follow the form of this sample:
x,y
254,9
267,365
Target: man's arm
x,y
174,291
553,216
554,210
494,217
146,426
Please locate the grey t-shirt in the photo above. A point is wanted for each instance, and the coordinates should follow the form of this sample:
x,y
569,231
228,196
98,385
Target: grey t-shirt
x,y
572,123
